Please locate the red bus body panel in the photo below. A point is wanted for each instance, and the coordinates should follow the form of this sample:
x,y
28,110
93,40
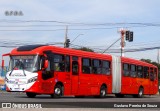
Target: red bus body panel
x,y
87,84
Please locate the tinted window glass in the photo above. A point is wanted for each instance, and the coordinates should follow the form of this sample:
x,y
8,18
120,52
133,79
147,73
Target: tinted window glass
x,y
133,70
74,58
96,66
126,69
155,74
59,63
140,71
86,66
67,65
146,72
151,74
86,62
106,67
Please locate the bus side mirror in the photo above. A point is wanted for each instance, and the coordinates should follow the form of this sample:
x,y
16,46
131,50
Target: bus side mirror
x,y
8,54
45,64
2,64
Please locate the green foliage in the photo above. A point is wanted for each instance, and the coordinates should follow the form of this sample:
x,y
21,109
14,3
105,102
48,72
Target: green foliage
x,y
85,49
146,60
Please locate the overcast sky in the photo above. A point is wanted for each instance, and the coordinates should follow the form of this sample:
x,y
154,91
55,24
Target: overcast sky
x,y
87,12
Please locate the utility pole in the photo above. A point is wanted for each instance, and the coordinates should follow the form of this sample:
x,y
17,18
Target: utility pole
x,y
129,37
124,34
66,41
158,56
122,42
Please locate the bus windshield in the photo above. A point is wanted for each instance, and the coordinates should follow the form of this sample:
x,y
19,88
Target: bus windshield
x,y
27,63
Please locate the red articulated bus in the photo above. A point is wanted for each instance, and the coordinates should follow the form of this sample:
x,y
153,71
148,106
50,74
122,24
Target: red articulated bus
x,y
56,71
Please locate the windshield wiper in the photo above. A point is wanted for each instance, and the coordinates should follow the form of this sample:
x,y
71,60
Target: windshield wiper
x,y
19,63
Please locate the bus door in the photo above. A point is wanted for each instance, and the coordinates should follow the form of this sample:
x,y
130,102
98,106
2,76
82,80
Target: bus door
x,y
133,75
85,77
146,80
47,74
126,81
75,75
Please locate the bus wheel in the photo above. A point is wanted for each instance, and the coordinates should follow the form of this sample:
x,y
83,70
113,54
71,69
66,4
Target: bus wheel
x,y
57,91
140,92
103,91
31,95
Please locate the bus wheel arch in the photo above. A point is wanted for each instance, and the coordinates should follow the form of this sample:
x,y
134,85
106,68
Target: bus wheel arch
x,y
140,92
103,90
58,90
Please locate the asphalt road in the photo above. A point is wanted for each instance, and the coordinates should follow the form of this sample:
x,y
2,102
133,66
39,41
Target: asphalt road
x,y
21,97
109,101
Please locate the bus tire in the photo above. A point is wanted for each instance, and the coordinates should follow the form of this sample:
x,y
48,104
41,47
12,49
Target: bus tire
x,y
140,92
103,91
58,92
30,94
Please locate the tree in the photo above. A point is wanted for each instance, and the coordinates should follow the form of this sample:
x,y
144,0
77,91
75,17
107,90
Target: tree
x,y
85,49
146,60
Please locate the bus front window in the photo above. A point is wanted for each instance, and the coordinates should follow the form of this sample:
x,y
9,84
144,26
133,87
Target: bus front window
x,y
27,63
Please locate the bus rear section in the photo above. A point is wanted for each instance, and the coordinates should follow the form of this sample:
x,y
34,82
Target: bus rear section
x,y
137,78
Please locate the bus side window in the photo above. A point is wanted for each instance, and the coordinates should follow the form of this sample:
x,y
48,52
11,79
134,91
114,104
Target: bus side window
x,y
59,63
146,72
67,63
155,74
140,71
106,67
151,76
133,71
126,70
96,69
46,73
74,67
86,66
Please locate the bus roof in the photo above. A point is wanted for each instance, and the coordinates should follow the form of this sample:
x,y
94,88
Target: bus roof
x,y
39,49
134,61
28,47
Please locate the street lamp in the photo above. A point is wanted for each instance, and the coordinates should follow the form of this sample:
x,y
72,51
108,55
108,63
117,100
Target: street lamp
x,y
76,38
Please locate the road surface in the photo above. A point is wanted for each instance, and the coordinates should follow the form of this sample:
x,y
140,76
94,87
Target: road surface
x,y
86,103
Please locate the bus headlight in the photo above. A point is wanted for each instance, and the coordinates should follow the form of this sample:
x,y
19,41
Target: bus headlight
x,y
9,81
32,79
